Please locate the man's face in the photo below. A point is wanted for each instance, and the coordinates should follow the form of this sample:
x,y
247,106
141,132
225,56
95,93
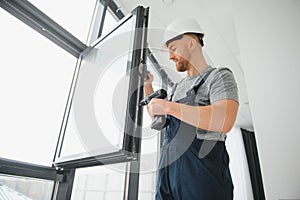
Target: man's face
x,y
178,53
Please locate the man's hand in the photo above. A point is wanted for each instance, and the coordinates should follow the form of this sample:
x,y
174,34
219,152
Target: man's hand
x,y
157,107
148,79
148,89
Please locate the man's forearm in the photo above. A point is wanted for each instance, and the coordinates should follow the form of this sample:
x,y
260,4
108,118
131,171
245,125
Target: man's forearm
x,y
219,117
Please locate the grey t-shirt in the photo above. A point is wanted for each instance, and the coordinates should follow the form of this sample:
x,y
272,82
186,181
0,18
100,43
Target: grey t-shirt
x,y
219,85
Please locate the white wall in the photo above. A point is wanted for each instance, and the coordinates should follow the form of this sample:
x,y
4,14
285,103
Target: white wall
x,y
269,36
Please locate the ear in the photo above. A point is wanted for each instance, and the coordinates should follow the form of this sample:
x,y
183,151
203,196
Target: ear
x,y
192,44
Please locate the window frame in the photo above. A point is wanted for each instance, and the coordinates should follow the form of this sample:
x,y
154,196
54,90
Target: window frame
x,y
131,143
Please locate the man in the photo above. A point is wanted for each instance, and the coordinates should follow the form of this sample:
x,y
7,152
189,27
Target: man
x,y
202,108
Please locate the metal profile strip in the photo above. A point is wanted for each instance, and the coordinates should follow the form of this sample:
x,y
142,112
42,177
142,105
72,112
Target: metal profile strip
x,y
114,8
131,190
22,169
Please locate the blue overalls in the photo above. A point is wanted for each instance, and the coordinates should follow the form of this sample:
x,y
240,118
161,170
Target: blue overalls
x,y
191,168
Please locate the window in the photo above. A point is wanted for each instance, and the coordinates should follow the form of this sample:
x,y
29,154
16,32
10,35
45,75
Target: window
x,y
101,182
13,187
35,76
97,115
100,113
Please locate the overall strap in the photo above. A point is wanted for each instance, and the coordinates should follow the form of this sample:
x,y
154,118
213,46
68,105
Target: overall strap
x,y
202,81
196,87
173,91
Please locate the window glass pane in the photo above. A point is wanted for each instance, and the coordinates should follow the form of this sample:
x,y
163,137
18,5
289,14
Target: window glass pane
x,y
109,22
74,16
101,182
35,77
17,188
149,149
96,121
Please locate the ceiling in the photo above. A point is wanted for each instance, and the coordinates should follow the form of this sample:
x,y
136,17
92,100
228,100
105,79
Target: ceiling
x,y
221,43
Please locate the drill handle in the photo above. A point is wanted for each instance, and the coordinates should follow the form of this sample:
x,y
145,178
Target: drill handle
x,y
160,122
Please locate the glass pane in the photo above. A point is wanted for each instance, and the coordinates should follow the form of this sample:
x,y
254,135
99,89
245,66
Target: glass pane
x,y
149,149
17,188
96,121
74,16
35,77
109,22
99,183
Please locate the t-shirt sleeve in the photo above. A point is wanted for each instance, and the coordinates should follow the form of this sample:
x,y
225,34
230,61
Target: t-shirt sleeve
x,y
223,86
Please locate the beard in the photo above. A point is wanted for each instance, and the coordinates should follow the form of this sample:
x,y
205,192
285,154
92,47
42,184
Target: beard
x,y
180,68
181,65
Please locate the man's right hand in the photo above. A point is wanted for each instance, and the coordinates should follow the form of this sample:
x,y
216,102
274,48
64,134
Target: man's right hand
x,y
148,79
148,89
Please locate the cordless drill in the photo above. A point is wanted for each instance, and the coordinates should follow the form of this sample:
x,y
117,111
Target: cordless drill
x,y
160,121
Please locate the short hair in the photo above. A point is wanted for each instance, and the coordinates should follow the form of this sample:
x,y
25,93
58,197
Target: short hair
x,y
197,36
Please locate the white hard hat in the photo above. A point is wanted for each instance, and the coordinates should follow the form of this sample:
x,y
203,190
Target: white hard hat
x,y
181,26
